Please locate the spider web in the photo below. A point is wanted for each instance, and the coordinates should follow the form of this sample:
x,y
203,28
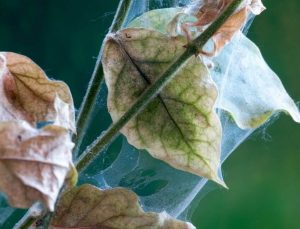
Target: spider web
x,y
161,187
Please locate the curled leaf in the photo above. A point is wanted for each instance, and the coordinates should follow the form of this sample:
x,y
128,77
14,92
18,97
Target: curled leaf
x,y
33,163
27,93
234,24
90,207
250,91
206,11
180,126
224,35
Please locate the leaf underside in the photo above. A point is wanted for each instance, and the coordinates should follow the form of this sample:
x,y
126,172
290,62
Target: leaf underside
x,y
89,207
28,94
180,125
33,163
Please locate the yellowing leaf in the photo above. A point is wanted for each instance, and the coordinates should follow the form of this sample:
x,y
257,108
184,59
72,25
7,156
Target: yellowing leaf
x,y
180,126
33,163
90,207
27,94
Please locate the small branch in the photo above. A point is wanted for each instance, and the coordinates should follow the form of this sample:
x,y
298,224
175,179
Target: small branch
x,y
37,211
95,83
33,214
192,49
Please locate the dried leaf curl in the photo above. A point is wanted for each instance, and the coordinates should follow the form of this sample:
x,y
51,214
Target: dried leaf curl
x,y
28,94
34,163
89,207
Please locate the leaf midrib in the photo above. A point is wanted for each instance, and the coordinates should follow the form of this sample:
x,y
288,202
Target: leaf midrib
x,y
148,81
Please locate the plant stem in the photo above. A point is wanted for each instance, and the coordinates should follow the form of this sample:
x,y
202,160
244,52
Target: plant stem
x,y
192,49
86,107
95,83
101,142
35,212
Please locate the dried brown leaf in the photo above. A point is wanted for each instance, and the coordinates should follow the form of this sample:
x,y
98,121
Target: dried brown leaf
x,y
34,163
229,28
206,11
28,94
89,207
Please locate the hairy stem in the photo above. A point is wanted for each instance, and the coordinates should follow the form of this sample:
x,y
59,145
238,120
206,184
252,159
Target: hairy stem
x,y
33,214
94,86
192,49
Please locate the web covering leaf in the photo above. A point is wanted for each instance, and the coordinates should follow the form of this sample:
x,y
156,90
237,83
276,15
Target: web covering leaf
x,y
160,186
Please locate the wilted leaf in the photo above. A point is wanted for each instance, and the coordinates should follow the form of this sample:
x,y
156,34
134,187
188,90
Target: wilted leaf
x,y
234,22
33,163
90,207
228,29
205,12
250,90
27,94
180,126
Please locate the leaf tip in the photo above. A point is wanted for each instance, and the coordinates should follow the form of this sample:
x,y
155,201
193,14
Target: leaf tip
x,y
219,181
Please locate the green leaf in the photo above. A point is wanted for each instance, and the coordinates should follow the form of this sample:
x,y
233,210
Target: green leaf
x,y
90,207
250,91
180,126
157,19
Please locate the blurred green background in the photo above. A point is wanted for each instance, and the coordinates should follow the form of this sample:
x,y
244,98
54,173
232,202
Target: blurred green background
x,y
64,37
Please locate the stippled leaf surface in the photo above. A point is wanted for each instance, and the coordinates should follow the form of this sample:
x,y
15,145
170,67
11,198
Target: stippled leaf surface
x,y
28,94
89,207
250,91
34,163
180,126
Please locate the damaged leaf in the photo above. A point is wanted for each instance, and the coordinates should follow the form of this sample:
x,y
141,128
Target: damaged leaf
x,y
89,207
34,163
180,126
246,90
194,19
228,29
207,11
28,94
250,91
